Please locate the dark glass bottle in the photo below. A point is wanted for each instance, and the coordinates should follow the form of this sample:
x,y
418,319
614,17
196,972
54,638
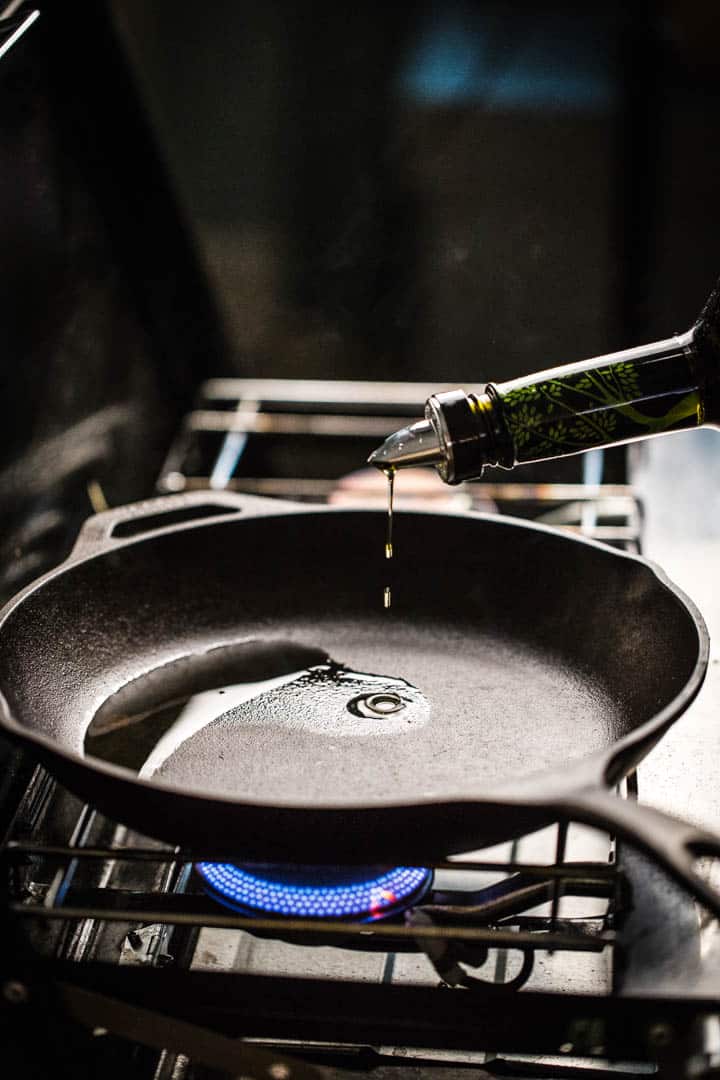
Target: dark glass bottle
x,y
666,386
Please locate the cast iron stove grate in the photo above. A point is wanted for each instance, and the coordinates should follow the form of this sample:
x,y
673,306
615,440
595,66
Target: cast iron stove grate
x,y
123,918
295,439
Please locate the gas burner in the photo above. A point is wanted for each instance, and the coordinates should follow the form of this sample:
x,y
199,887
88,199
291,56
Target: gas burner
x,y
362,893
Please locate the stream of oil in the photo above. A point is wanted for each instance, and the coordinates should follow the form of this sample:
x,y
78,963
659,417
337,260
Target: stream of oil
x,y
390,474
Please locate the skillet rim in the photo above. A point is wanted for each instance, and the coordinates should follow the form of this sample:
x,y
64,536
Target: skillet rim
x,y
598,769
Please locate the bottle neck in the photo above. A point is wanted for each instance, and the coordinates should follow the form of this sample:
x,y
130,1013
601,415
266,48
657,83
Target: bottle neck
x,y
669,385
706,349
601,402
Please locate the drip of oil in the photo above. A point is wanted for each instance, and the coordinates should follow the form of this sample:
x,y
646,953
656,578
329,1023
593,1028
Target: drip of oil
x,y
220,728
390,474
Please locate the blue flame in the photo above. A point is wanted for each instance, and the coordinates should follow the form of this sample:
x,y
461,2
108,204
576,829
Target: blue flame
x,y
374,898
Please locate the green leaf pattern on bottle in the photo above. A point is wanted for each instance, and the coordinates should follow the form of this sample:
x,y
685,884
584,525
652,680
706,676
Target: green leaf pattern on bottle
x,y
592,407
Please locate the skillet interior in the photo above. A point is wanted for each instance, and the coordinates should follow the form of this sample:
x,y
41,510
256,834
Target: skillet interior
x,y
533,650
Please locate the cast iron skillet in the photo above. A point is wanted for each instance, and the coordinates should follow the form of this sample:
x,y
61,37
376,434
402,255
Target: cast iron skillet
x,y
536,670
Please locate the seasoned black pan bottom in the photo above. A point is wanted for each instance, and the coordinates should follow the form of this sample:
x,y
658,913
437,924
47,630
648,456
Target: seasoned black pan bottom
x,y
280,723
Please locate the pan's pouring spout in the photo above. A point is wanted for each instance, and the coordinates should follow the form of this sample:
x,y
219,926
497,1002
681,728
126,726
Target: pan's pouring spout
x,y
418,444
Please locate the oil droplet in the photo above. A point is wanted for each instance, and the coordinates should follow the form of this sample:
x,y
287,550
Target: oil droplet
x,y
377,704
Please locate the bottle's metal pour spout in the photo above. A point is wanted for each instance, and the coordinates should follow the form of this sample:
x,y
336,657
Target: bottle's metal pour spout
x,y
415,445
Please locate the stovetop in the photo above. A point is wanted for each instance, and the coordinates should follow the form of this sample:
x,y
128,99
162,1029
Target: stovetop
x,y
561,954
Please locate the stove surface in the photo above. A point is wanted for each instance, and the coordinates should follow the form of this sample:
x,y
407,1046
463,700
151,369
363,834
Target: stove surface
x,y
538,948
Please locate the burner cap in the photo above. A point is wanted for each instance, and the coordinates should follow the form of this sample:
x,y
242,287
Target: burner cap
x,y
320,892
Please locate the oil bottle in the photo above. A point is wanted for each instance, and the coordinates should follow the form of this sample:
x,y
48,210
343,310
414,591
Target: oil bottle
x,y
669,385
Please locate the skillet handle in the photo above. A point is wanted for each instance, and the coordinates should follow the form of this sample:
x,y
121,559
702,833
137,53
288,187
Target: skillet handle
x,y
676,845
106,530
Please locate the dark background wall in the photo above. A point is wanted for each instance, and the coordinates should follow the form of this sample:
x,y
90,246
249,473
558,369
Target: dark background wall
x,y
453,191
